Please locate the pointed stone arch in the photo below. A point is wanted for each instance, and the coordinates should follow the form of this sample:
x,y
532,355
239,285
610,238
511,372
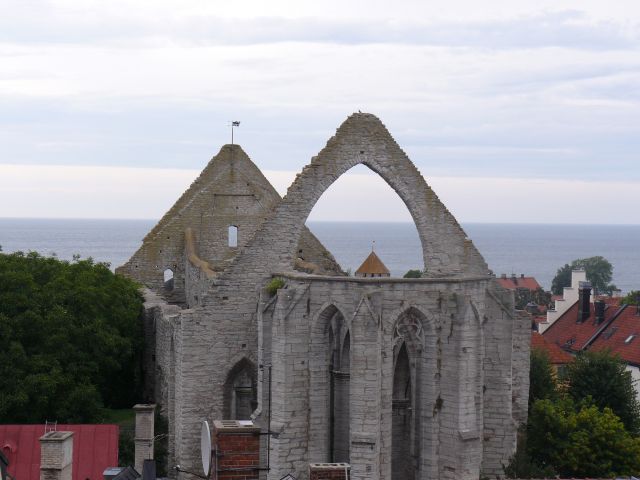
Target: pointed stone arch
x,y
329,344
240,390
413,421
363,139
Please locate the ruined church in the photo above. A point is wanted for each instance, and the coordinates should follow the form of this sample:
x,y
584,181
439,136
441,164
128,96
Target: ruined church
x,y
249,317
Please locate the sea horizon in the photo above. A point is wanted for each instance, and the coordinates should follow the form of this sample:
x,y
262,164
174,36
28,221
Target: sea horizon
x,y
532,249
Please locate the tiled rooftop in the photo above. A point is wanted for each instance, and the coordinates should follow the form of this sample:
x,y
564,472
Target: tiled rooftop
x,y
557,356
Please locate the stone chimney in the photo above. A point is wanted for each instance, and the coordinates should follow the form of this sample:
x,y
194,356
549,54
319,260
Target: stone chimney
x,y
144,434
584,295
56,456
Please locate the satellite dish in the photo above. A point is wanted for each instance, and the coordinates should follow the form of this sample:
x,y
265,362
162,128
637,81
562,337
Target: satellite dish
x,y
205,448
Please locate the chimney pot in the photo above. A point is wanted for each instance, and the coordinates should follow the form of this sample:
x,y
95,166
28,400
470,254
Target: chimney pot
x,y
144,434
56,456
584,295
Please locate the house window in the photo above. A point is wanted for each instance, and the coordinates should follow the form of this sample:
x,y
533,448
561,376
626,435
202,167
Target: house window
x,y
630,338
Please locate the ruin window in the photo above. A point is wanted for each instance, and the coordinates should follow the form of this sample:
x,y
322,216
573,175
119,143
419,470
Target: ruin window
x,y
339,395
233,236
402,418
168,279
357,209
240,391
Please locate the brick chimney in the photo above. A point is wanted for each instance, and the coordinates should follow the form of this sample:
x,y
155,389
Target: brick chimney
x,y
584,295
237,450
56,456
144,434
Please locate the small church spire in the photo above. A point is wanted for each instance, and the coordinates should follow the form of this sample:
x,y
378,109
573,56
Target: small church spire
x,y
373,266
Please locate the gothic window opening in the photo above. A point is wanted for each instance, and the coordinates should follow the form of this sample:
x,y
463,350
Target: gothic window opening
x,y
168,279
240,391
356,206
233,236
402,464
339,392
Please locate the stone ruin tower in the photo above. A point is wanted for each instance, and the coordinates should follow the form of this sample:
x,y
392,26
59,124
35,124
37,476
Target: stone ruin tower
x,y
413,379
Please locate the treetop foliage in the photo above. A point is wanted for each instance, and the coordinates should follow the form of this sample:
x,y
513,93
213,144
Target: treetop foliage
x,y
580,440
542,382
584,427
413,273
72,339
631,298
598,269
605,379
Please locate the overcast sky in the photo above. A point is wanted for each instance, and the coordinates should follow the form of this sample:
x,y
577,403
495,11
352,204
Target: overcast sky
x,y
513,110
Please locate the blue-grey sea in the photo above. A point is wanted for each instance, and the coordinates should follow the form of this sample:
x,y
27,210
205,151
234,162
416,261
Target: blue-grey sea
x,y
535,250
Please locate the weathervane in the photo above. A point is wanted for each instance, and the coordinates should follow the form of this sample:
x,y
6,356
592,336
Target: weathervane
x,y
234,123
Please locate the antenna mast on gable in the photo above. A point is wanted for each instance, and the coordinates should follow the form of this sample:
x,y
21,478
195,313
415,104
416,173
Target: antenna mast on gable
x,y
234,123
50,426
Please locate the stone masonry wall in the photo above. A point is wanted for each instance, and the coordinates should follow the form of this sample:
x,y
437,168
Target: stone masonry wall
x,y
231,190
459,329
451,403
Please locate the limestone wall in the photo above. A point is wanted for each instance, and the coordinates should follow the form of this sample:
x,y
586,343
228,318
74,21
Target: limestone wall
x,y
449,384
458,328
230,191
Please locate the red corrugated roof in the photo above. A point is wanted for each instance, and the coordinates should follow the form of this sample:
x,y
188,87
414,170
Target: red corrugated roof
x,y
512,283
614,337
557,356
95,447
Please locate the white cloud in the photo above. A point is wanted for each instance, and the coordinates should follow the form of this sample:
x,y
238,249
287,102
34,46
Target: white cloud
x,y
500,88
125,192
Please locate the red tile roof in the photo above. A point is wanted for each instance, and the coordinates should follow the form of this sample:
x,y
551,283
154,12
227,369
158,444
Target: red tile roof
x,y
512,283
568,334
372,266
95,447
557,356
625,326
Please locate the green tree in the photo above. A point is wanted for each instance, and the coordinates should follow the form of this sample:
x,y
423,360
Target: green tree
x,y
581,441
542,382
521,465
604,378
631,298
72,339
413,274
598,270
523,296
